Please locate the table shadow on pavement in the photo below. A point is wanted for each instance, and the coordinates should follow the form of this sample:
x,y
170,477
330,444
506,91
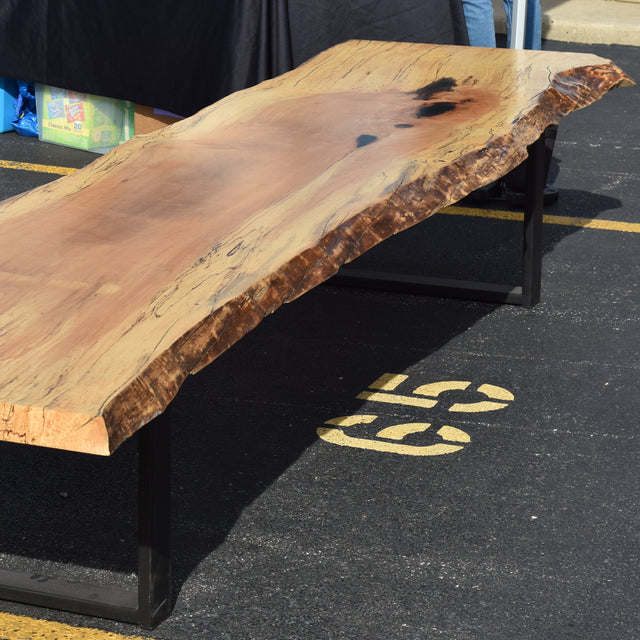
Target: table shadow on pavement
x,y
235,432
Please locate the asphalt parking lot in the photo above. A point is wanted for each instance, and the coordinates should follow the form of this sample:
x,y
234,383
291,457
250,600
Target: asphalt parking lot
x,y
510,507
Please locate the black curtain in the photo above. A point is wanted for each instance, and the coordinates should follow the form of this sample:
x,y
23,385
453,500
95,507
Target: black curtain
x,y
317,25
182,56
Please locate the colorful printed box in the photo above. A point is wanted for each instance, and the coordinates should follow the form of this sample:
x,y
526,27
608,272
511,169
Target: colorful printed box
x,y
8,95
82,120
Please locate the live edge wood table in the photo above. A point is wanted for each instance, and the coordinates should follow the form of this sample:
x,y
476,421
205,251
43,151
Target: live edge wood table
x,y
120,280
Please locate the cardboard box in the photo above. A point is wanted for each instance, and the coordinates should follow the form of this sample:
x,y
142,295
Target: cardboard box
x,y
148,119
82,120
8,95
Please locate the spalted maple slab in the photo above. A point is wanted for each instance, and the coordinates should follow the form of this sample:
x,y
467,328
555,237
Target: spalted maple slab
x,y
120,280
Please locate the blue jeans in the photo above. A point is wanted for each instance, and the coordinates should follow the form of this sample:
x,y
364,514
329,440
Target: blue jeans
x,y
478,16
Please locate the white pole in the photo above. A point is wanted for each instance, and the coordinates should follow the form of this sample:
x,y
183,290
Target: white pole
x,y
518,24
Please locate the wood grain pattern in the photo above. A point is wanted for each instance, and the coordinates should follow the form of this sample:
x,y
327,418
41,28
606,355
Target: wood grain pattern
x,y
120,280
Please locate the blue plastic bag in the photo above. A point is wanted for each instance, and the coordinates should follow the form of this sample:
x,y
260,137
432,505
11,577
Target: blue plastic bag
x,y
26,120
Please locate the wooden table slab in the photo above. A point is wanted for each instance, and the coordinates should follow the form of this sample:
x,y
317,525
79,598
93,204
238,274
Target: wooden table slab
x,y
120,280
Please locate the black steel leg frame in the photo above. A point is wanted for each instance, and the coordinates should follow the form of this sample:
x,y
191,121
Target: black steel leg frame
x,y
151,604
528,294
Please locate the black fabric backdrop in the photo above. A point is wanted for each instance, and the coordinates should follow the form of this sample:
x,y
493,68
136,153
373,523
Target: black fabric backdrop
x,y
183,55
318,25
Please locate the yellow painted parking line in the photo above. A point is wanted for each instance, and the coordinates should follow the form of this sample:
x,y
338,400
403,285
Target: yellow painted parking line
x,y
38,168
496,214
588,223
24,628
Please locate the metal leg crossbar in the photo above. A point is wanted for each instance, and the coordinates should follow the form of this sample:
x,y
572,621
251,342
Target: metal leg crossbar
x,y
151,603
527,294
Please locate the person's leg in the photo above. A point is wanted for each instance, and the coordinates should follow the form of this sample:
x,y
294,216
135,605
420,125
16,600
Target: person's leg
x,y
478,16
514,181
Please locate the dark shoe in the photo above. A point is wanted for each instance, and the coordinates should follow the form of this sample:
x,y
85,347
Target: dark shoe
x,y
518,198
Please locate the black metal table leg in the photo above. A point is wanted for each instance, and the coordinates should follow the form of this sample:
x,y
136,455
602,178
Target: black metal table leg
x,y
526,294
154,523
151,603
532,235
